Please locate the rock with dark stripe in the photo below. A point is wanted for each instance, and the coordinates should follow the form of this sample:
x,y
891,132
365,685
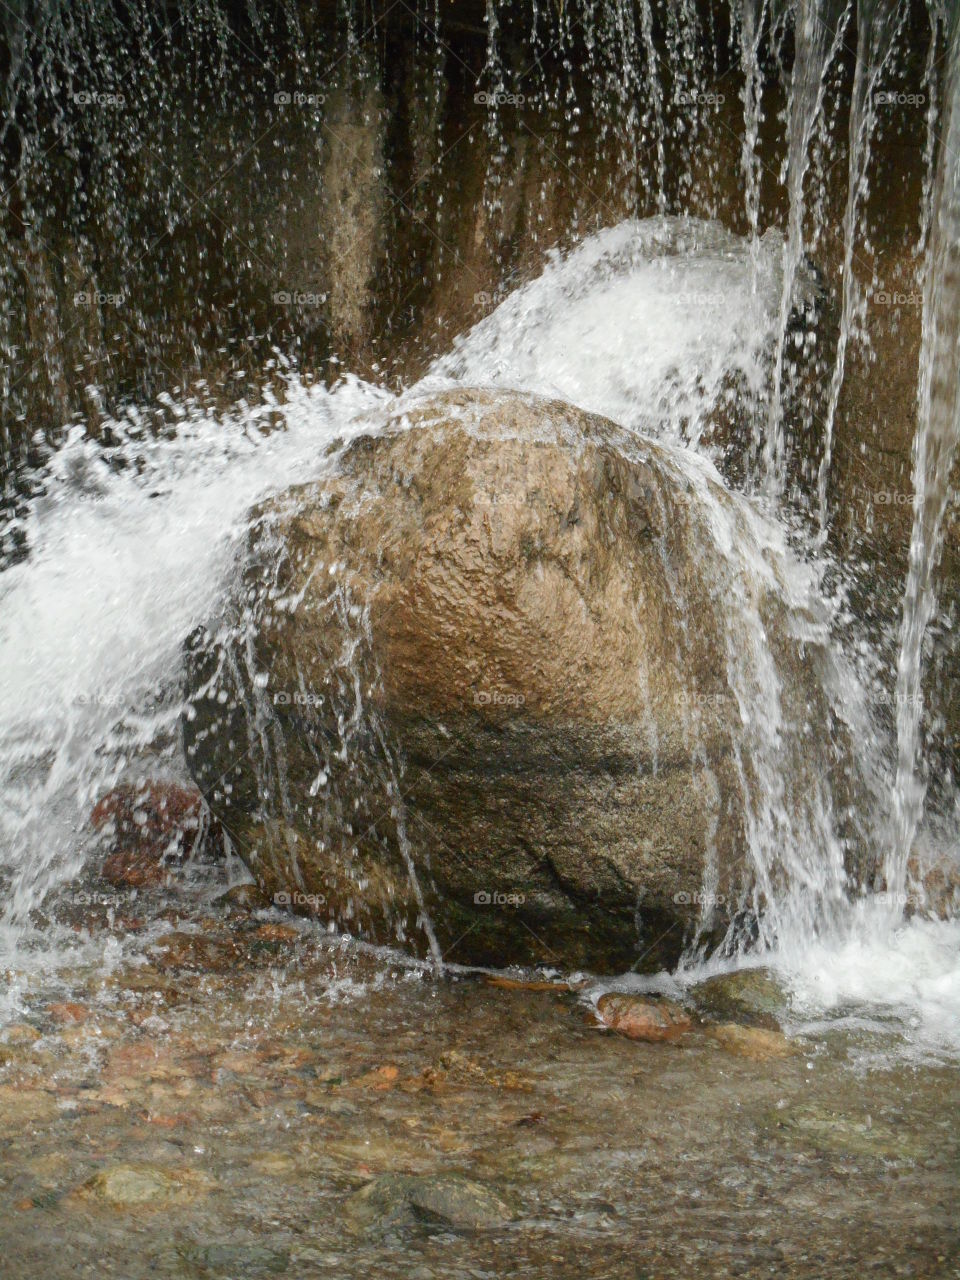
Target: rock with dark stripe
x,y
480,673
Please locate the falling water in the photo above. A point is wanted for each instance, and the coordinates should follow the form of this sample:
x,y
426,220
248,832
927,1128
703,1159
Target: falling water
x,y
934,451
748,15
932,83
656,97
819,29
878,25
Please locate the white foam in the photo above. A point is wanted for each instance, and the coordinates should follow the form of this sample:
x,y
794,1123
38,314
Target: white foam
x,y
128,550
905,975
645,322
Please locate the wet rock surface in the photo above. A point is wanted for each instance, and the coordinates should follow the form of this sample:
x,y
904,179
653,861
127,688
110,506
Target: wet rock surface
x,y
751,997
757,1043
446,1200
149,828
640,1018
463,686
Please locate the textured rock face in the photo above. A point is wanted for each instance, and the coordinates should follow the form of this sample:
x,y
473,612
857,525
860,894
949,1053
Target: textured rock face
x,y
482,674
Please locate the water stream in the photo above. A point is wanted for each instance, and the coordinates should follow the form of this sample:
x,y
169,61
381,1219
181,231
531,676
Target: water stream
x,y
124,533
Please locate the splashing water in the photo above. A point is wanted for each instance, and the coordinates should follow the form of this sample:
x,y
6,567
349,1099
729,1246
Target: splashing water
x,y
128,549
649,323
125,549
748,16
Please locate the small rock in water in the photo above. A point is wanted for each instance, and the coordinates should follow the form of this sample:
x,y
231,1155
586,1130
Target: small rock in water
x,y
237,1259
750,996
150,825
68,1011
139,1184
757,1043
396,1199
852,1137
641,1018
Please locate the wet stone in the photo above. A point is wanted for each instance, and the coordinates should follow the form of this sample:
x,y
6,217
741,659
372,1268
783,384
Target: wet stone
x,y
855,1137
236,1259
20,1033
756,1043
752,997
640,1018
243,897
146,1185
404,1200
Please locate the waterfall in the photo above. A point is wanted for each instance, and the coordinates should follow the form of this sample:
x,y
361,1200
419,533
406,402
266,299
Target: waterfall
x,y
656,97
819,30
879,22
748,15
576,120
934,450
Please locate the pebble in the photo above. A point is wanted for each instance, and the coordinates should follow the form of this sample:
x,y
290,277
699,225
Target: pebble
x,y
640,1018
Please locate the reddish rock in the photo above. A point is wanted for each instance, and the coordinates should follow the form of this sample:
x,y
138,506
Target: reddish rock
x,y
641,1018
150,827
67,1011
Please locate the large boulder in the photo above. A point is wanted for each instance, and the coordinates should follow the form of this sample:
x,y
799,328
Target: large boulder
x,y
500,684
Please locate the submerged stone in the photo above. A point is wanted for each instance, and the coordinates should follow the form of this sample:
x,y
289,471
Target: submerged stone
x,y
759,1044
640,1018
147,1185
753,997
834,1133
150,827
396,1200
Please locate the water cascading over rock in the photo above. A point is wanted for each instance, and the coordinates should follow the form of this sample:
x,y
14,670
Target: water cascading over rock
x,y
518,685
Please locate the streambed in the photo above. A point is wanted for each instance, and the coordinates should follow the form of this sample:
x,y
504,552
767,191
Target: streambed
x,y
211,1105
